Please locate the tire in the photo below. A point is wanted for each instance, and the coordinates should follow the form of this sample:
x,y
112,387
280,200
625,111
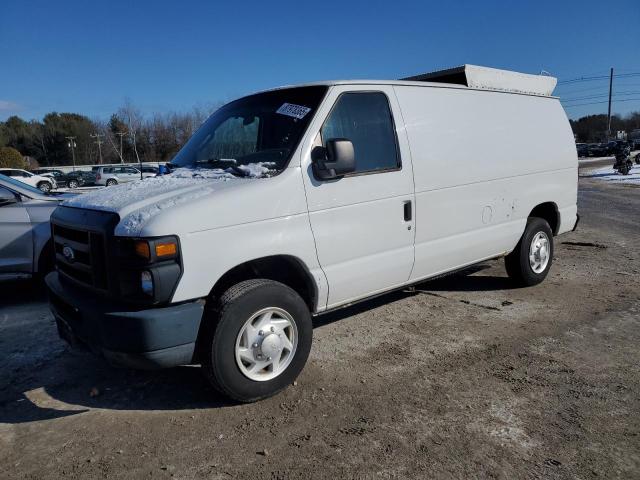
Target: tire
x,y
520,268
111,182
638,159
222,339
44,187
624,169
73,184
46,260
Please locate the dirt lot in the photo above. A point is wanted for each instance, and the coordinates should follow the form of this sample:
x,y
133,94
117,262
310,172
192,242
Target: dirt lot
x,y
465,377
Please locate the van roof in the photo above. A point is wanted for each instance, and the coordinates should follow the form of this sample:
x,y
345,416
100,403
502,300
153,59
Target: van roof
x,y
472,77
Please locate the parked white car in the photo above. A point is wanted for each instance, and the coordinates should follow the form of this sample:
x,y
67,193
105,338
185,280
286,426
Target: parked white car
x,y
111,175
297,201
44,183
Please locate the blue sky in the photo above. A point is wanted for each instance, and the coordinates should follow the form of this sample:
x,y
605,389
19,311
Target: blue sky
x,y
87,57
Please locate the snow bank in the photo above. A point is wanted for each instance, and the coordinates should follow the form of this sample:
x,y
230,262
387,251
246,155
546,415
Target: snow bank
x,y
608,174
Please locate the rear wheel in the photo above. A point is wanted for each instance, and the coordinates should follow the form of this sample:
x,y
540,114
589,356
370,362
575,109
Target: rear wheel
x,y
44,187
257,340
638,159
73,184
111,182
530,261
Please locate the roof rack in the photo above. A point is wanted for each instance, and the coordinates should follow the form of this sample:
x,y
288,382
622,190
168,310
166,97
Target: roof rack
x,y
486,78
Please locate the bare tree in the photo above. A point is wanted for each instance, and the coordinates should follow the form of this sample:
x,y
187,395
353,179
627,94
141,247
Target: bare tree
x,y
109,135
134,120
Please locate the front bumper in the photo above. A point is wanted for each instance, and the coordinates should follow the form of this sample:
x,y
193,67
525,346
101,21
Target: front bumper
x,y
147,339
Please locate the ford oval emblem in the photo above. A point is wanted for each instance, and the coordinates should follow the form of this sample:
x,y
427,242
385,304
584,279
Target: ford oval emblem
x,y
68,253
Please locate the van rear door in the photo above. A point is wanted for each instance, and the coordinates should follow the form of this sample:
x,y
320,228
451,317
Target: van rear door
x,y
363,223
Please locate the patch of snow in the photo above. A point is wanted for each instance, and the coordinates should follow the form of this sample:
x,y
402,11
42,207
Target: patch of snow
x,y
608,174
117,197
257,170
208,173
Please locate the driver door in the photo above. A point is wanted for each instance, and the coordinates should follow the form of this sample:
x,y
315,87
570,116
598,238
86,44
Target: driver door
x,y
363,223
16,245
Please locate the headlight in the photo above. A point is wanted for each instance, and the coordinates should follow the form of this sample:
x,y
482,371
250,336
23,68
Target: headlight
x,y
146,282
148,268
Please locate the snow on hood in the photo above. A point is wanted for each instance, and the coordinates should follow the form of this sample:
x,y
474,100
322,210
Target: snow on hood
x,y
137,202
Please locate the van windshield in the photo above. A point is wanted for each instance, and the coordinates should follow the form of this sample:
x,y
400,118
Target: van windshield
x,y
254,136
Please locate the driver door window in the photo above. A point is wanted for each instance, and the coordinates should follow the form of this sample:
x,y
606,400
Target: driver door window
x,y
365,119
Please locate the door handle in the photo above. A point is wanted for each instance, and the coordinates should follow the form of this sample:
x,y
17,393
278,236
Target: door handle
x,y
407,211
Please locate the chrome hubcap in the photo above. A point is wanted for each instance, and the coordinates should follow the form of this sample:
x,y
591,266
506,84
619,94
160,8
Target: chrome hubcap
x,y
539,252
266,344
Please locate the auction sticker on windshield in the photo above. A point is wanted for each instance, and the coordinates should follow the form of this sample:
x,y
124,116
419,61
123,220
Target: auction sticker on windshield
x,y
293,110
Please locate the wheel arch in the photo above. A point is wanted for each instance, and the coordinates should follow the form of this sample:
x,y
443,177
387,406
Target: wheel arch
x,y
549,212
286,269
44,256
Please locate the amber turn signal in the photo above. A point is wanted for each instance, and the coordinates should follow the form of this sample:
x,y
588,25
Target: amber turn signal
x,y
166,249
142,249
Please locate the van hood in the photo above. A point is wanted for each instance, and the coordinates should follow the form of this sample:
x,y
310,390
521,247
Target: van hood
x,y
137,202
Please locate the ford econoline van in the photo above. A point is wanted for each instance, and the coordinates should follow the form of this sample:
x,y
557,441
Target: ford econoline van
x,y
299,200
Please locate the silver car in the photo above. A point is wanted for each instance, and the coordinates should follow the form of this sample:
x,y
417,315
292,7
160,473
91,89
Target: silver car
x,y
116,174
25,234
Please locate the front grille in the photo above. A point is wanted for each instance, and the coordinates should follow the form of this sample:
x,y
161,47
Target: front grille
x,y
87,265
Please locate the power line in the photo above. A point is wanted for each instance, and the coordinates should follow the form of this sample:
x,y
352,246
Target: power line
x,y
599,87
599,77
600,103
591,97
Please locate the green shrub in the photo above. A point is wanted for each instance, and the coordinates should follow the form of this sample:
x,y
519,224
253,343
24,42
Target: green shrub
x,y
10,158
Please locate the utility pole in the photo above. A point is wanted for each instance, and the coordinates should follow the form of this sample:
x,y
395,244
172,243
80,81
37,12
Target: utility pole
x,y
72,145
609,113
135,149
99,142
121,134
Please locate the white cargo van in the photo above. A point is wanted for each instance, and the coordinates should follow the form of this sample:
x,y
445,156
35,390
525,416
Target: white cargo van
x,y
295,201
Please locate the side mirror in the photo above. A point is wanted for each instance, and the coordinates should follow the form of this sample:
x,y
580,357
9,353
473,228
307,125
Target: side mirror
x,y
334,160
7,198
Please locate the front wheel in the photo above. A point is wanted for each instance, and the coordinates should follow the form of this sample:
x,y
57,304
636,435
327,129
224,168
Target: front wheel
x,y
530,261
257,340
44,187
73,184
638,159
624,168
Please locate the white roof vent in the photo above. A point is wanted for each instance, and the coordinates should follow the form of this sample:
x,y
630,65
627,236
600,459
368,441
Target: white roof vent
x,y
491,79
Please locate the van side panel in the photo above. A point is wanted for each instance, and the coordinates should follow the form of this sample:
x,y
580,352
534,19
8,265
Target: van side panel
x,y
482,161
274,221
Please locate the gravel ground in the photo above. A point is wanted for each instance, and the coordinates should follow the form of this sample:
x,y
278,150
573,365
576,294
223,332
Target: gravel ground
x,y
463,377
